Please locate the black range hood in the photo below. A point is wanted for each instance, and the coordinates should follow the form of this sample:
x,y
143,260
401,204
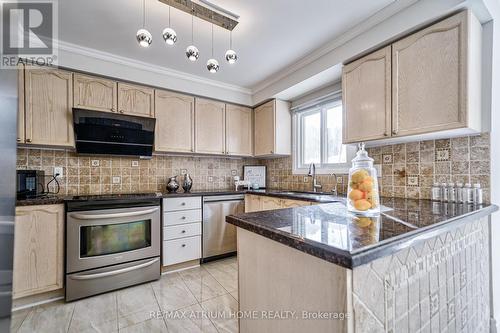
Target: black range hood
x,y
111,133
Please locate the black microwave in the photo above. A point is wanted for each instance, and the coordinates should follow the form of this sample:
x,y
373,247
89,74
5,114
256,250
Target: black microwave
x,y
30,183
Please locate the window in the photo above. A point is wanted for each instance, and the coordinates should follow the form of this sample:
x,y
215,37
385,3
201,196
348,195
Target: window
x,y
317,133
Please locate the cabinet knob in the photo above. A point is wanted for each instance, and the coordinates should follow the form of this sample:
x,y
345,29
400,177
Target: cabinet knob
x,y
18,139
394,132
386,134
183,218
183,245
183,231
28,140
183,204
272,151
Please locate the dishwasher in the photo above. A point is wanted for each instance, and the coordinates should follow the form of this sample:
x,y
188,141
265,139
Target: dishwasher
x,y
219,237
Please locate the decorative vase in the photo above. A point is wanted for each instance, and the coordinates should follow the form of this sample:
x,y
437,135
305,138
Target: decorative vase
x,y
187,183
172,185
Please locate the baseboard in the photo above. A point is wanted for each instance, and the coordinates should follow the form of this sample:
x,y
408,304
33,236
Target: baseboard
x,y
39,299
180,267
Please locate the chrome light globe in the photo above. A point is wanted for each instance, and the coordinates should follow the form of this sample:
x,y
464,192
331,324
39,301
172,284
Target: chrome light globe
x,y
192,53
212,65
144,37
169,36
231,56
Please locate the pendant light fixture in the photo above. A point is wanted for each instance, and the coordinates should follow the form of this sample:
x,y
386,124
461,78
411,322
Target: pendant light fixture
x,y
212,64
192,51
169,35
231,55
144,37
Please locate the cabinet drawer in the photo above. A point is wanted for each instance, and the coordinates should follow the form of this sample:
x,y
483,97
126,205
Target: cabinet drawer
x,y
173,204
181,217
182,230
180,250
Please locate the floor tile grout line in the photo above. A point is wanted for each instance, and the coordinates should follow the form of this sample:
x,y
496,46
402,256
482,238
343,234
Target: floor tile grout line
x,y
158,303
71,318
218,281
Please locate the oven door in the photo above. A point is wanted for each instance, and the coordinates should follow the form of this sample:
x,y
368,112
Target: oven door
x,y
100,238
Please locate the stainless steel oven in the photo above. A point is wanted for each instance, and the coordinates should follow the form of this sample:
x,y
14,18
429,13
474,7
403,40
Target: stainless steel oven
x,y
110,245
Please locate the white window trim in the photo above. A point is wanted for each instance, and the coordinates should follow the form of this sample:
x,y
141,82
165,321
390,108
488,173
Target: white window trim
x,y
337,168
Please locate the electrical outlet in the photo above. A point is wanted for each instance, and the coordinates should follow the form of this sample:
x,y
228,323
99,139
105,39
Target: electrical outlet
x,y
340,180
117,180
59,171
95,163
135,163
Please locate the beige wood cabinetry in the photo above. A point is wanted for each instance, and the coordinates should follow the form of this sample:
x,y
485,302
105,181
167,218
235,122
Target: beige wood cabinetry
x,y
435,86
436,77
209,126
273,129
38,249
94,93
239,130
290,203
20,107
366,87
48,103
135,100
252,203
174,115
255,203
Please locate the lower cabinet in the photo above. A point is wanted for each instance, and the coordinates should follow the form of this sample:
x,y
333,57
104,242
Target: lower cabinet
x,y
256,203
182,220
38,250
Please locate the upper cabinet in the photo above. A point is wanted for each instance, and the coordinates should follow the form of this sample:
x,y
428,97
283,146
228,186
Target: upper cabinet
x,y
435,88
239,130
210,126
94,93
48,107
174,122
135,100
272,129
366,86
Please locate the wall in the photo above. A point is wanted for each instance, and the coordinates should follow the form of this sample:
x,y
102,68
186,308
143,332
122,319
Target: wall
x,y
408,170
79,177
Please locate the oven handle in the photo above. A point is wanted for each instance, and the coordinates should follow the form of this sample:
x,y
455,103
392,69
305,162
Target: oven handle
x,y
111,273
110,216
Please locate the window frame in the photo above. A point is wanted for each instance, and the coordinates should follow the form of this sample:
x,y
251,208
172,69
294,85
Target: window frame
x,y
298,136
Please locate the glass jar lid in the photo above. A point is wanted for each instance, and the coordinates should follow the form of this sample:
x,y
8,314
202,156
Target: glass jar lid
x,y
362,156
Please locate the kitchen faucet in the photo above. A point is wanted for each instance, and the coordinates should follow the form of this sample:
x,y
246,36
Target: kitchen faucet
x,y
312,173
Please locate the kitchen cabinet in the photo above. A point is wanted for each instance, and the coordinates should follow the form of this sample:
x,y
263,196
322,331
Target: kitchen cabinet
x,y
20,107
290,203
239,130
38,250
272,129
181,230
252,203
428,88
94,93
256,203
174,115
366,87
209,126
135,100
48,107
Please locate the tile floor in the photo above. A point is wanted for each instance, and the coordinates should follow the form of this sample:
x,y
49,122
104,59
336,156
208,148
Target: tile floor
x,y
200,299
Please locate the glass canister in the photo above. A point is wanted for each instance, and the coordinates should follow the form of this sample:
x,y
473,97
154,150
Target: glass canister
x,y
362,192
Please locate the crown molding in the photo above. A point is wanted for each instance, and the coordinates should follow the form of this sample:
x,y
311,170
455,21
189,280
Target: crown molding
x,y
113,58
357,29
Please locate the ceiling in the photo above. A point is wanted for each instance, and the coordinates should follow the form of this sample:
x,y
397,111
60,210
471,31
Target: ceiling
x,y
271,35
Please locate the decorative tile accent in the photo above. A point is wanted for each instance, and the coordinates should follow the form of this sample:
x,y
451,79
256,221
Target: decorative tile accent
x,y
387,158
442,155
441,284
412,180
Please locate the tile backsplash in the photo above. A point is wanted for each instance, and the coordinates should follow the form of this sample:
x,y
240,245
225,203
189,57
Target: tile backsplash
x,y
110,174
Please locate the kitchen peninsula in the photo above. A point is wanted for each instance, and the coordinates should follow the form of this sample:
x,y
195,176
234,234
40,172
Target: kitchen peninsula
x,y
419,264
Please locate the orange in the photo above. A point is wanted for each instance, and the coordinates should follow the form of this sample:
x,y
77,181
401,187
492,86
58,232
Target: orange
x,y
356,195
362,204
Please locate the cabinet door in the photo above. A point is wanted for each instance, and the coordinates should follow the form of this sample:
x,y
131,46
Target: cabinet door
x,y
252,203
94,93
20,107
264,130
270,203
174,122
289,203
38,249
429,78
209,126
238,130
49,97
135,100
366,96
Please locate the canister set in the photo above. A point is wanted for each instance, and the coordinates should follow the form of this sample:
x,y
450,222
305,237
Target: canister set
x,y
458,193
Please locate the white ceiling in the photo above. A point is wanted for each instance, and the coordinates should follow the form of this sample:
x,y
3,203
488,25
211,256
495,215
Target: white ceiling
x,y
271,35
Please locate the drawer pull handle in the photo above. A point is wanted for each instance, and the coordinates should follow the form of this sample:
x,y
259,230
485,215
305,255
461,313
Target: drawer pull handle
x,y
183,245
183,231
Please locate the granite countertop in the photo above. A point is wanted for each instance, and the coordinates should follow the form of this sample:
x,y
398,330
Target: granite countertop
x,y
55,199
330,232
